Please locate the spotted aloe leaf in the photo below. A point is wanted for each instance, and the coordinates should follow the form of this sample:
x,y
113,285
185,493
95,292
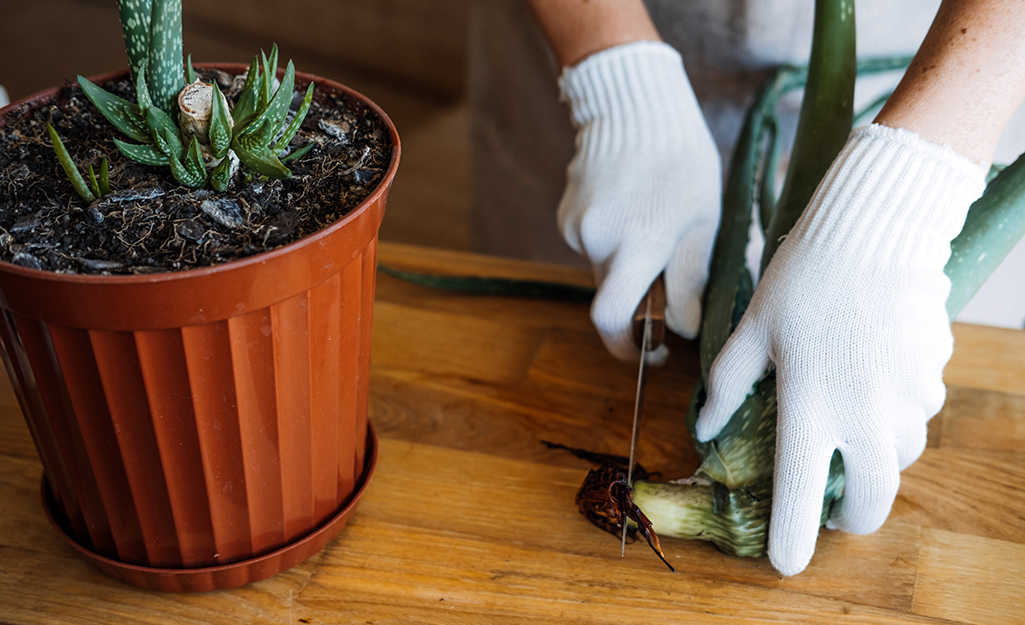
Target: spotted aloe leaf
x,y
263,161
135,26
191,171
153,41
145,153
270,70
268,121
220,175
124,115
165,70
164,132
220,125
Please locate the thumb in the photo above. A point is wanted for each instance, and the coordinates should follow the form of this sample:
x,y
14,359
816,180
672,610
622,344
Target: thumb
x,y
736,370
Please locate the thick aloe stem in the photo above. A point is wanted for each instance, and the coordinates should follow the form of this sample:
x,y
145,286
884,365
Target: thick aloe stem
x,y
153,41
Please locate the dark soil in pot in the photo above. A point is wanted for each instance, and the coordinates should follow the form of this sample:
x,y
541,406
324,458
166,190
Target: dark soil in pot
x,y
150,223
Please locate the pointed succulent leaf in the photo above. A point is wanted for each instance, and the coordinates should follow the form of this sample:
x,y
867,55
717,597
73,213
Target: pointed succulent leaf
x,y
220,125
253,79
146,153
194,159
270,71
94,184
183,175
296,122
253,137
301,152
165,74
164,132
190,72
69,167
124,115
220,175
246,106
135,26
142,91
263,161
244,111
267,123
104,177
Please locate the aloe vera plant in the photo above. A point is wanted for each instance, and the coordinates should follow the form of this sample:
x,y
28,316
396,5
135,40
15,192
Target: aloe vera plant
x,y
729,499
185,124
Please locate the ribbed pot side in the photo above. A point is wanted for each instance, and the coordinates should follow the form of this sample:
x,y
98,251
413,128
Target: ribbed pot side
x,y
206,428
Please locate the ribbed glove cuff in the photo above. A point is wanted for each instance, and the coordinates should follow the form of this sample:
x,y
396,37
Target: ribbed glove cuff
x,y
622,88
889,186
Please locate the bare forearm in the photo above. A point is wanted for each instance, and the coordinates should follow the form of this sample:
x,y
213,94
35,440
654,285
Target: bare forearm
x,y
576,29
967,79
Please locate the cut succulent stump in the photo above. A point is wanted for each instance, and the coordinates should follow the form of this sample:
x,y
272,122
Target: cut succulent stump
x,y
729,499
149,222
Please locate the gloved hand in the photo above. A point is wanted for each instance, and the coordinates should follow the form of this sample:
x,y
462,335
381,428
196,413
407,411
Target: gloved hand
x,y
643,190
851,311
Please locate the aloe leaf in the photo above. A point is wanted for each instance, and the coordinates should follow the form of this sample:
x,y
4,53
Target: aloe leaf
x,y
995,224
266,124
270,71
165,73
220,175
220,125
296,122
104,177
827,112
263,161
135,26
188,173
142,91
145,153
296,155
94,184
164,132
124,115
190,72
68,165
194,160
247,104
767,187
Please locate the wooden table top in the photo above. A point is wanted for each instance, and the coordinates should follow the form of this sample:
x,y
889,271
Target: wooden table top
x,y
469,518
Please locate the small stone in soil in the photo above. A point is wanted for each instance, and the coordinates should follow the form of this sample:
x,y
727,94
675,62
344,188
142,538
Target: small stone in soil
x,y
99,266
225,211
24,259
189,229
26,223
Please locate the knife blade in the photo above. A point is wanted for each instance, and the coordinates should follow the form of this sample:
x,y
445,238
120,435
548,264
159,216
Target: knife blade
x,y
649,333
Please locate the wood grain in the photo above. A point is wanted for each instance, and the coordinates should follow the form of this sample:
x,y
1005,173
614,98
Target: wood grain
x,y
470,518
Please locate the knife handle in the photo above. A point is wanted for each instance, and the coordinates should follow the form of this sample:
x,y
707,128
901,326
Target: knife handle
x,y
657,296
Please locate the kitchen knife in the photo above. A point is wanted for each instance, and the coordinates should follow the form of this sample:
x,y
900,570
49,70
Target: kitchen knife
x,y
649,329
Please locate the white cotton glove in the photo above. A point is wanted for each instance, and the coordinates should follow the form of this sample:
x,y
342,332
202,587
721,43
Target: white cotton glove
x,y
643,190
851,311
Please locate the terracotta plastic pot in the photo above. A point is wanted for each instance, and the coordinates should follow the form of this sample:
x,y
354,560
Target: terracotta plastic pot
x,y
203,429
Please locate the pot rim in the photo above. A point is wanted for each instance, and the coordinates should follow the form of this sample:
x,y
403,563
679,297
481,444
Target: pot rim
x,y
256,259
